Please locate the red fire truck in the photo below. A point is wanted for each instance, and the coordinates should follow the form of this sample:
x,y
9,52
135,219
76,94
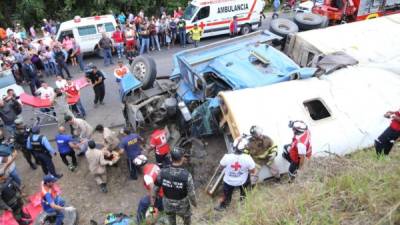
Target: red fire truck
x,y
339,11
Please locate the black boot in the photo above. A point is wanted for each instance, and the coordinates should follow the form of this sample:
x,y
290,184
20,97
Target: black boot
x,y
103,188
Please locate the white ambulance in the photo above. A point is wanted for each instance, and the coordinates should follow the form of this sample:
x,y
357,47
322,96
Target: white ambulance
x,y
214,16
87,31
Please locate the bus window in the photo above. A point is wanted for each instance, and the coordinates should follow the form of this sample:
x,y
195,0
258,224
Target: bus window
x,y
86,30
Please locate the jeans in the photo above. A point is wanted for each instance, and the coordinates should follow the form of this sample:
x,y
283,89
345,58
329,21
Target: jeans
x,y
53,68
107,56
196,43
79,59
228,191
47,69
63,65
163,161
144,204
144,44
132,169
385,141
58,214
79,108
15,176
120,49
33,85
10,129
154,42
99,93
182,38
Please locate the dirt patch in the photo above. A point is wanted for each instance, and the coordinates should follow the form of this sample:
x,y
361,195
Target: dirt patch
x,y
80,190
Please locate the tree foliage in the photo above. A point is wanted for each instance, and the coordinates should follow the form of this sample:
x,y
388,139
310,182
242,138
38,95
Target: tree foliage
x,y
30,12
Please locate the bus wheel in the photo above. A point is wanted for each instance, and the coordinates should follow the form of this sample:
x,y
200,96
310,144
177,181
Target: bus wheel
x,y
189,39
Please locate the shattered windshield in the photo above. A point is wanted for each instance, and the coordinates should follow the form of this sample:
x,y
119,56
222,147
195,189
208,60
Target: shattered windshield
x,y
189,12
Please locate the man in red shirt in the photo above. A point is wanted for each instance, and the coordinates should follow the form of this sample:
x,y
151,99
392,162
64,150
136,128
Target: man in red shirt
x,y
159,143
118,37
72,90
150,173
300,148
386,140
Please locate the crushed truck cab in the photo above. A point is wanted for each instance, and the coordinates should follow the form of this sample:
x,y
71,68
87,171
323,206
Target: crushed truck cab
x,y
200,74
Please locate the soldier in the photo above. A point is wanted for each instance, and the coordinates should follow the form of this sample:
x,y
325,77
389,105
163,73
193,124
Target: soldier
x,y
178,187
263,150
21,135
10,199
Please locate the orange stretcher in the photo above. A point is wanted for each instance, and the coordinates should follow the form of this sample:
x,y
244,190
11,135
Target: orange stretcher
x,y
39,104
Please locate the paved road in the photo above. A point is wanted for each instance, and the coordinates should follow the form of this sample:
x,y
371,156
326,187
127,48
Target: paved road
x,y
110,114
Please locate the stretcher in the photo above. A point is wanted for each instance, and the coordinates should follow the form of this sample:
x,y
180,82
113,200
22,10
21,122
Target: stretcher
x,y
43,109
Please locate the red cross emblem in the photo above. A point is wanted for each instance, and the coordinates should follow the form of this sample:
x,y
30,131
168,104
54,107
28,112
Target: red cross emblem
x,y
202,25
236,166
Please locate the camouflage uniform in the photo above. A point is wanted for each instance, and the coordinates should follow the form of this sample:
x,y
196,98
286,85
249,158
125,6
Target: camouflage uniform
x,y
263,151
179,193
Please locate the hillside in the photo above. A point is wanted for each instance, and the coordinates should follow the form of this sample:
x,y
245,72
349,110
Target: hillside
x,y
357,189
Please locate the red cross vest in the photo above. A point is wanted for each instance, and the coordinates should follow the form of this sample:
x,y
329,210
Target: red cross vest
x,y
151,170
158,140
304,139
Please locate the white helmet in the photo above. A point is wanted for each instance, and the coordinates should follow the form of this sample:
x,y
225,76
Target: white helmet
x,y
240,144
140,160
298,126
256,130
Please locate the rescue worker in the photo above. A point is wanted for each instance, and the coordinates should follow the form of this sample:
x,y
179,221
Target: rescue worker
x,y
159,143
300,148
11,199
178,188
66,145
237,170
150,173
40,147
97,165
263,150
130,35
52,203
196,33
61,107
130,144
21,136
385,141
81,129
120,71
106,137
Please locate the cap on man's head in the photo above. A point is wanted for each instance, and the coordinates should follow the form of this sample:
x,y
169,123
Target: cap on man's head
x,y
67,118
19,121
176,154
35,129
92,144
49,179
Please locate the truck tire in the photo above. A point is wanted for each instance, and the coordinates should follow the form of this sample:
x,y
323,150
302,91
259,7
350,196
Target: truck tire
x,y
283,27
145,70
189,39
245,29
308,21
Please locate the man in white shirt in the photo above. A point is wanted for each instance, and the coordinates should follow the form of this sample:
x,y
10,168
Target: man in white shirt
x,y
237,168
45,92
60,82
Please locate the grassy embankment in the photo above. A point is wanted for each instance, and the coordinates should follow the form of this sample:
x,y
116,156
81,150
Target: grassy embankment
x,y
357,189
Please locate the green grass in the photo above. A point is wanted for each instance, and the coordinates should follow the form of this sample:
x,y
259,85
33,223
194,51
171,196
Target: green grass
x,y
357,189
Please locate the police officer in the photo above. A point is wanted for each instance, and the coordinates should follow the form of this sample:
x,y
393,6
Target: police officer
x,y
42,150
21,136
178,187
130,144
263,150
10,199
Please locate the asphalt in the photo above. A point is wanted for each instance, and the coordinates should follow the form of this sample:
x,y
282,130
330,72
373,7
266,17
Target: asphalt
x,y
110,114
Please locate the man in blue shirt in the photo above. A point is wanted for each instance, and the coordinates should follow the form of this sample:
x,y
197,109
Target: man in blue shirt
x,y
66,146
40,147
130,144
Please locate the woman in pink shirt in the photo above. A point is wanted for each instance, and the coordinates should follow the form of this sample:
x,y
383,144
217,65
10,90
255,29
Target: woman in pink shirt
x,y
68,45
